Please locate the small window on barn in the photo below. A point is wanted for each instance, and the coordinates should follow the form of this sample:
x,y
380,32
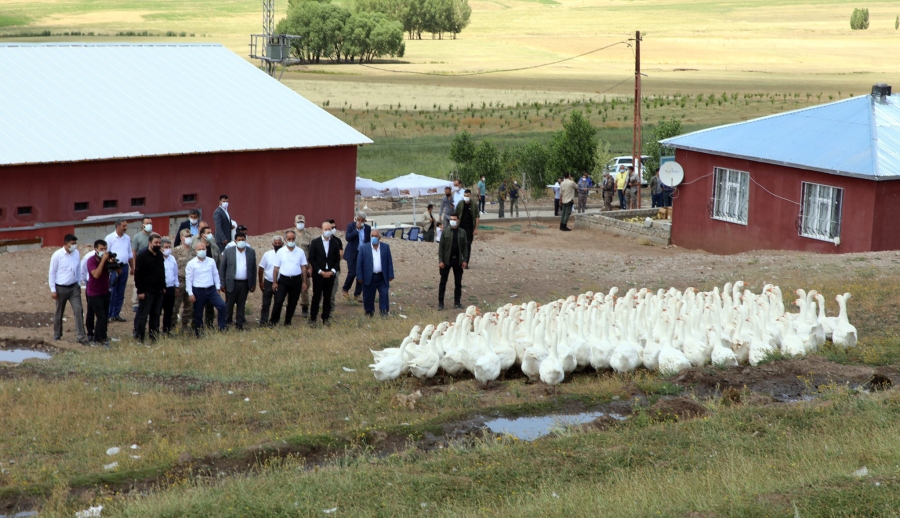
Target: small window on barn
x,y
731,195
138,202
24,211
110,204
1,213
188,198
81,205
820,212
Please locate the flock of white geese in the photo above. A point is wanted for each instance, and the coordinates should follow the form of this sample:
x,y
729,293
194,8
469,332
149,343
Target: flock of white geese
x,y
667,331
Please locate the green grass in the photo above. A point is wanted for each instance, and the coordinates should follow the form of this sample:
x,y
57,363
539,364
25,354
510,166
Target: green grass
x,y
10,20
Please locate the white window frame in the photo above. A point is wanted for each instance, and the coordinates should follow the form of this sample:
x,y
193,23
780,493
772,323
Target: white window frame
x,y
731,195
821,208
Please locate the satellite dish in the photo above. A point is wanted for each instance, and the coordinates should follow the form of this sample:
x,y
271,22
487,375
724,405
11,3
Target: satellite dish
x,y
671,174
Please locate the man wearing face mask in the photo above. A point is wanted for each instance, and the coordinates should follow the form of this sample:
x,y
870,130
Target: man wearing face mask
x,y
304,238
150,283
447,206
183,254
119,243
290,278
222,220
202,284
468,222
192,224
452,255
428,224
64,280
482,191
172,286
266,269
98,292
358,233
375,269
324,266
139,241
236,270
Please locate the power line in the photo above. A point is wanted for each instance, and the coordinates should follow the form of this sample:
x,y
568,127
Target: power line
x,y
496,71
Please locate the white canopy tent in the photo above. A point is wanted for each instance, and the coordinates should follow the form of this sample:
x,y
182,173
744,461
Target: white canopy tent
x,y
415,185
368,188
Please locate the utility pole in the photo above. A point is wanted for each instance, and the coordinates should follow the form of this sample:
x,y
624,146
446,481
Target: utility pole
x,y
636,140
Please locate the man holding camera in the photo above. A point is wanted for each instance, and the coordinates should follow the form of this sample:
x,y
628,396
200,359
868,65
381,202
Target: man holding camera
x,y
99,265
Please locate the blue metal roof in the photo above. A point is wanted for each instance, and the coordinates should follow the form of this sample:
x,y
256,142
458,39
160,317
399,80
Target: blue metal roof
x,y
73,102
857,137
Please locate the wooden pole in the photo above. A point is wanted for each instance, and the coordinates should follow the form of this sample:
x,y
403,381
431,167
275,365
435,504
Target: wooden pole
x,y
636,140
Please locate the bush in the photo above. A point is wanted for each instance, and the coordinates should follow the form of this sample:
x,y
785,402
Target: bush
x,y
665,129
572,149
859,20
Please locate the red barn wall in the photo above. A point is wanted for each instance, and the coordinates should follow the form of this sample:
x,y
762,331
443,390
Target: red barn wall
x,y
886,236
772,222
266,189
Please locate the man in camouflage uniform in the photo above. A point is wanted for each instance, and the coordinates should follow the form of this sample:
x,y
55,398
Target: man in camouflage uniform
x,y
213,252
304,238
183,253
609,188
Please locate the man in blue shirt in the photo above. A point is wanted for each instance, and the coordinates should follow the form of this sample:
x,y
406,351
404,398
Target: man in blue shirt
x,y
481,193
358,232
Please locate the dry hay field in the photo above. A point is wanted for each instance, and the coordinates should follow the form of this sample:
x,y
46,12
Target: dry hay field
x,y
288,422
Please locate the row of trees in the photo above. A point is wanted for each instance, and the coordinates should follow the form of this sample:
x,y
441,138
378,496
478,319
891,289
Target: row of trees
x,y
574,149
332,32
438,17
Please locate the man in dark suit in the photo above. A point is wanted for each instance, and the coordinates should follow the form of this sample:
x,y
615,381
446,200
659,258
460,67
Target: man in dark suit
x,y
192,224
452,254
375,270
222,221
150,284
237,271
355,230
325,267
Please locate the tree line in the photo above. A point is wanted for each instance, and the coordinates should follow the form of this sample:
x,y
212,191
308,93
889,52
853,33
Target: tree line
x,y
437,17
575,149
335,33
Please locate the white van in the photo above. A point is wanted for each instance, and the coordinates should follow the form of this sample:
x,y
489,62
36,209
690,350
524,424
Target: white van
x,y
619,162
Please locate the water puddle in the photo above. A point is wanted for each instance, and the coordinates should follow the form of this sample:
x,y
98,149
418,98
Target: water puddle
x,y
23,514
19,355
531,428
785,398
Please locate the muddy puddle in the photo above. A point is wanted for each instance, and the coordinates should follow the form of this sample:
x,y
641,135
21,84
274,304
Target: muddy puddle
x,y
531,428
20,514
20,355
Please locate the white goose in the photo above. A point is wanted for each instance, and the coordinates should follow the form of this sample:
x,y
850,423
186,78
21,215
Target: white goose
x,y
487,363
828,323
551,369
844,334
391,366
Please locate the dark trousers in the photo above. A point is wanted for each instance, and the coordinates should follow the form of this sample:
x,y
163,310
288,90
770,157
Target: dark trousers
x,y
321,289
168,310
556,206
502,203
481,203
621,198
351,276
237,296
97,309
89,316
655,200
470,235
429,235
204,296
457,283
117,284
150,307
666,198
288,288
267,294
379,284
565,212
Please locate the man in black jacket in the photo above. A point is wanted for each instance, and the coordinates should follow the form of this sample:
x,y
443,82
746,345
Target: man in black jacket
x,y
192,224
452,255
324,266
150,284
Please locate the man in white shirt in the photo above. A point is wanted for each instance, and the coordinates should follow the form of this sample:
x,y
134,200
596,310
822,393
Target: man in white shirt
x,y
119,243
237,271
201,280
172,287
458,193
65,287
290,278
556,197
266,269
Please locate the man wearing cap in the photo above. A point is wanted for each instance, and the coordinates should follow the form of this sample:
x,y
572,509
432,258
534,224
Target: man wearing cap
x,y
192,224
183,253
428,223
305,236
358,232
64,279
608,188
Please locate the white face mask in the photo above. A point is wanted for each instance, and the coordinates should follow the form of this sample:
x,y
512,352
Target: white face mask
x,y
291,244
101,254
327,234
466,199
225,205
167,252
209,237
188,240
241,244
194,221
69,248
148,227
454,223
301,226
201,254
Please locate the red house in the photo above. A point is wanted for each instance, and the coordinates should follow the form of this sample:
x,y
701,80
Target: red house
x,y
819,179
90,132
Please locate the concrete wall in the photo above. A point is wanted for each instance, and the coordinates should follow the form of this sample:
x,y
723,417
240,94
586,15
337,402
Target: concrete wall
x,y
612,223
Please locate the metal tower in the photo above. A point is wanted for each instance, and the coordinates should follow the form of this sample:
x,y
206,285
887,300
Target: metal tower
x,y
270,48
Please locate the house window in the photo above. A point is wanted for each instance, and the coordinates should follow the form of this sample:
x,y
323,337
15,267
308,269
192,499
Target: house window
x,y
731,194
110,204
81,205
188,198
24,211
137,202
820,212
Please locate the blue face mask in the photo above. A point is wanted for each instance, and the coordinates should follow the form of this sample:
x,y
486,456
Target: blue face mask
x,y
374,241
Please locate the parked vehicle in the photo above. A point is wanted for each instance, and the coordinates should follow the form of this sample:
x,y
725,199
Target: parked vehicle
x,y
619,162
